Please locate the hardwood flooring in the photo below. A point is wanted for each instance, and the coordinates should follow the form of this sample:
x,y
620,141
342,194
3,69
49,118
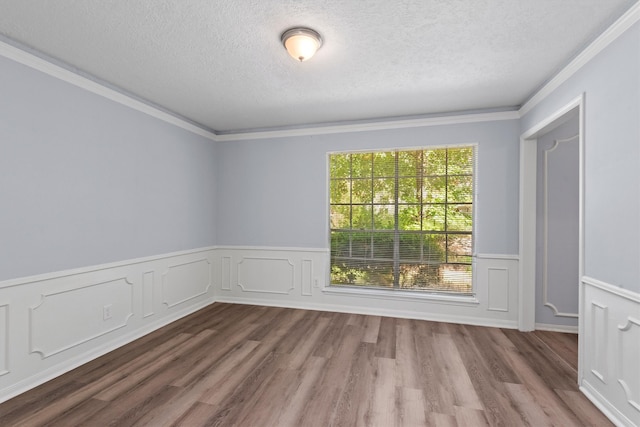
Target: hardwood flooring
x,y
238,365
564,345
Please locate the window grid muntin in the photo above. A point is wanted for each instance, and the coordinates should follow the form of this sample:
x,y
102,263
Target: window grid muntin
x,y
421,177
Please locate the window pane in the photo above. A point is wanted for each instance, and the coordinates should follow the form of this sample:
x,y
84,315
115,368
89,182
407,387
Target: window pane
x,y
434,190
460,189
411,246
348,271
435,162
361,217
361,191
434,248
419,276
384,190
383,245
340,216
361,165
384,217
433,217
340,244
459,217
384,164
456,278
361,244
340,191
409,217
460,161
362,273
340,165
459,248
409,190
380,274
409,163
442,278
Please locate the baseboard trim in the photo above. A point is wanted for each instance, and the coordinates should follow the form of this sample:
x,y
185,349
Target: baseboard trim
x,y
567,329
368,311
615,416
49,374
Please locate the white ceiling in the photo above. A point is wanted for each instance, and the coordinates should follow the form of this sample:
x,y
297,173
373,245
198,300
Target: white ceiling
x,y
221,64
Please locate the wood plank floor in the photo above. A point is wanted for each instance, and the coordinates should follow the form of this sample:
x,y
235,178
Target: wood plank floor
x,y
238,365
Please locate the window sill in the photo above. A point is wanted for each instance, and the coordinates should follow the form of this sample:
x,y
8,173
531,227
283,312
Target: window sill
x,y
402,295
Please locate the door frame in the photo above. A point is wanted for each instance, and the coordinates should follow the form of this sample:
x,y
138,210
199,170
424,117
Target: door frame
x,y
527,216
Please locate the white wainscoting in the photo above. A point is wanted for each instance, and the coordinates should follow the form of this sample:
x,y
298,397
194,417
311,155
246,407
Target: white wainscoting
x,y
110,305
52,323
298,278
610,348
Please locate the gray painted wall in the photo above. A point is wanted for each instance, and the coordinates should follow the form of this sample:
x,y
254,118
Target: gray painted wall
x,y
611,82
85,181
274,192
562,200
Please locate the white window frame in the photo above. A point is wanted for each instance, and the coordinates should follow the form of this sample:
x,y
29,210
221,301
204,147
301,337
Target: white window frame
x,y
404,294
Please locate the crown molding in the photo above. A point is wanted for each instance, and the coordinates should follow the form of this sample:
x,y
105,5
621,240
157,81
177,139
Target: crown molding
x,y
372,126
30,60
598,45
612,33
40,64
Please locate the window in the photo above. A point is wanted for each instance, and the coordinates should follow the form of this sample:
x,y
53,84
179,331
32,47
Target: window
x,y
403,219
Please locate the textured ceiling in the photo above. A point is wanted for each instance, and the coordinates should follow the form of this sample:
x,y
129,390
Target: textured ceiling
x,y
221,64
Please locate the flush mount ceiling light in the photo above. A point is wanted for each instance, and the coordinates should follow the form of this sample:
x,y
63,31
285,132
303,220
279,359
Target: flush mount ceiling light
x,y
301,43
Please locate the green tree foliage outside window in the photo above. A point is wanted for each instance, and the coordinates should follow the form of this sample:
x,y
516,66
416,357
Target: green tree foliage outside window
x,y
403,219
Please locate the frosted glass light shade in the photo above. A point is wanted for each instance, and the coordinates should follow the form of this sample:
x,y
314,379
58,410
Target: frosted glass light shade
x,y
301,43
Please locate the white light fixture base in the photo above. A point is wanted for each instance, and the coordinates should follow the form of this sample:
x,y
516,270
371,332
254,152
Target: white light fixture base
x,y
301,43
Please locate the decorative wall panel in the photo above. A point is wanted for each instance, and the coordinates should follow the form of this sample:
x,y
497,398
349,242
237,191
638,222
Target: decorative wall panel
x,y
68,318
307,277
4,339
266,275
629,360
560,275
183,282
599,332
147,293
498,289
225,273
610,372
